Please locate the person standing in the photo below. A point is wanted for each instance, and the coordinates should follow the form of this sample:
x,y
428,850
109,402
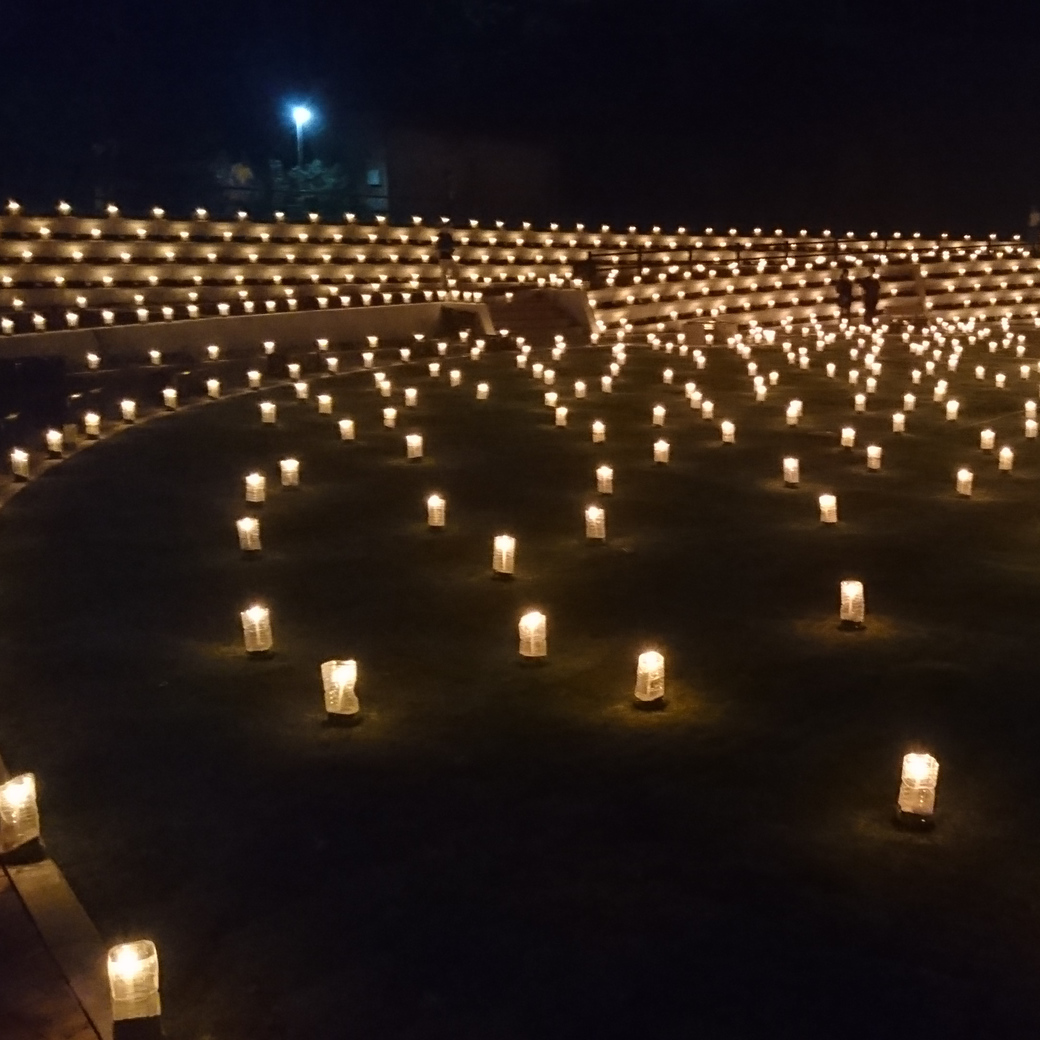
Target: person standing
x,y
446,257
871,289
844,290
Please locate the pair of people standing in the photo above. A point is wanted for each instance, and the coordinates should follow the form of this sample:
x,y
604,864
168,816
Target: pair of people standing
x,y
870,287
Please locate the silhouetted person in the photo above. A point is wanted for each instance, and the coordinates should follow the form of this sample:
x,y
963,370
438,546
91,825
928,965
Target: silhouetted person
x,y
446,256
844,289
871,287
1033,228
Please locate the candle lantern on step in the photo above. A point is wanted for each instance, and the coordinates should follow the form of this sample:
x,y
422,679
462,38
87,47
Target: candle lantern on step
x,y
19,815
411,397
729,432
853,607
256,487
606,384
133,981
213,388
952,410
791,472
482,391
389,418
20,464
707,409
454,377
599,432
248,528
346,429
1031,428
650,678
55,443
1005,460
290,472
324,404
256,629
848,437
828,509
874,452
662,452
92,425
965,478
268,412
917,784
503,555
531,629
339,681
128,410
254,378
436,508
605,480
987,439
909,402
413,446
898,422
595,523
561,416
579,389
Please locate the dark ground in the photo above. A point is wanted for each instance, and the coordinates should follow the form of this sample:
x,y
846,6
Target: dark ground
x,y
510,852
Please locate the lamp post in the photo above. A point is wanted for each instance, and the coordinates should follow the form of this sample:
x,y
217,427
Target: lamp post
x,y
301,117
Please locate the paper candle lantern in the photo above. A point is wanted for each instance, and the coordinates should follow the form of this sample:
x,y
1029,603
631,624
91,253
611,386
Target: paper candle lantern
x,y
871,385
93,361
482,391
667,375
133,980
1031,427
521,361
791,472
965,479
19,815
658,415
92,425
1030,409
389,418
537,369
853,376
268,346
729,432
860,403
454,377
606,384
595,523
435,369
662,451
55,443
760,395
873,457
605,480
346,429
980,372
917,785
411,397
533,643
986,440
332,364
248,534
503,554
367,358
774,377
548,377
915,376
561,416
952,408
696,400
268,412
650,678
254,378
128,410
169,396
852,609
256,629
294,371
550,398
794,413
213,352
599,432
213,387
707,409
898,422
290,472
1000,379
909,401
20,464
339,679
1005,460
848,437
413,443
828,509
579,389
256,487
436,508
324,404
615,369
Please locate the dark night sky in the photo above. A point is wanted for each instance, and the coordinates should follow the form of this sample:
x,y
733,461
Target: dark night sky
x,y
915,115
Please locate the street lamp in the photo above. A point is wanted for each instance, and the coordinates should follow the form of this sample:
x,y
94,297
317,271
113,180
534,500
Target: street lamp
x,y
301,117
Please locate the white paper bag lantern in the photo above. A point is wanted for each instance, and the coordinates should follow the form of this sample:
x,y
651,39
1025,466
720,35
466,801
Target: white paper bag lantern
x,y
290,472
19,815
324,404
729,432
442,348
1005,460
760,395
873,456
980,372
503,554
386,388
293,369
435,369
454,377
169,396
20,464
561,416
860,402
848,437
898,422
1031,428
436,507
346,429
965,478
952,409
533,643
792,474
1030,409
256,487
213,388
1000,379
909,402
521,361
248,528
662,451
413,446
548,377
92,425
339,682
853,609
595,523
853,376
133,980
828,509
254,378
482,391
550,398
696,400
268,346
606,384
986,440
794,413
579,389
650,678
915,376
367,358
411,397
55,443
658,415
605,480
615,369
667,375
268,412
128,410
389,418
332,364
93,361
774,377
213,352
256,629
871,385
707,410
920,777
599,432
